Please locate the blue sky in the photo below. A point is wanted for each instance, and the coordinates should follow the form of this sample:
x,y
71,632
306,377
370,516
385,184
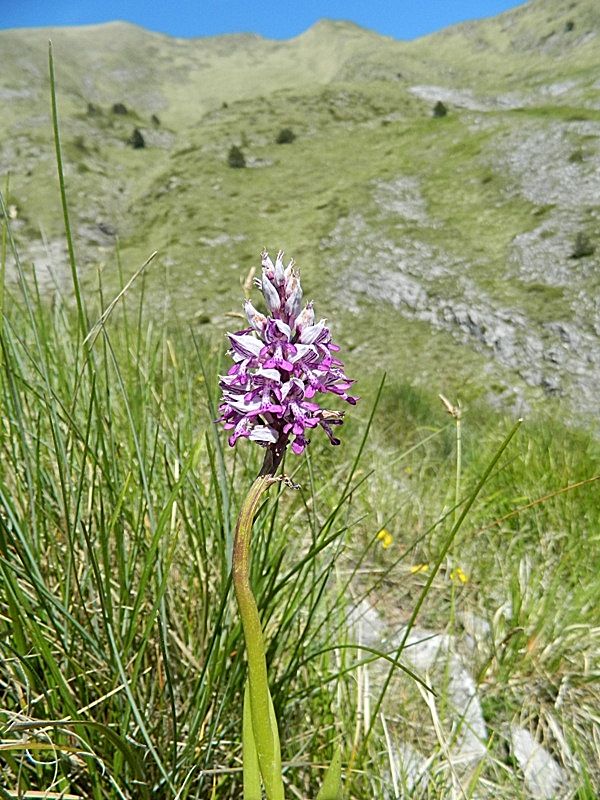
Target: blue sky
x,y
402,19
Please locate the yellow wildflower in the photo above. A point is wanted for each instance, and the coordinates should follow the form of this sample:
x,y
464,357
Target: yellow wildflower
x,y
385,537
458,576
417,568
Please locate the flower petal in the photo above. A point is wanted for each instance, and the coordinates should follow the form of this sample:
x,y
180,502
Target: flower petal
x,y
245,345
283,328
263,433
268,374
314,333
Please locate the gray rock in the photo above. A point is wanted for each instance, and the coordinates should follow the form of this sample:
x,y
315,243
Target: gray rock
x,y
48,260
366,625
537,156
559,357
470,728
543,776
403,197
466,98
477,628
424,650
411,767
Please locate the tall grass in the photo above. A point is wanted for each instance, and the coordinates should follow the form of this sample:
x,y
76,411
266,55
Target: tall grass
x,y
122,657
122,654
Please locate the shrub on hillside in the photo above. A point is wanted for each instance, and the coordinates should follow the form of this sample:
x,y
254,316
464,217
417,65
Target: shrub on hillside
x,y
235,157
583,246
285,136
439,109
136,140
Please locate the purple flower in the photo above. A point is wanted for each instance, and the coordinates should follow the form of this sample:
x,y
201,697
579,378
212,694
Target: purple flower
x,y
281,363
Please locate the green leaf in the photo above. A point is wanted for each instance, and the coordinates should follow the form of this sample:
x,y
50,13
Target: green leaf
x,y
252,790
275,734
332,785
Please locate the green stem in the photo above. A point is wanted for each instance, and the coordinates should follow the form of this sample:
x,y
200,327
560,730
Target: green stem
x,y
264,726
458,461
81,313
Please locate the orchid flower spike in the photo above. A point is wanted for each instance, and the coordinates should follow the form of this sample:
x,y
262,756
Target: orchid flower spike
x,y
282,363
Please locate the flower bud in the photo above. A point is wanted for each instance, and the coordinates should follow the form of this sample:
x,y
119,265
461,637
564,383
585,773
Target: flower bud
x,y
278,269
257,320
267,264
306,318
270,294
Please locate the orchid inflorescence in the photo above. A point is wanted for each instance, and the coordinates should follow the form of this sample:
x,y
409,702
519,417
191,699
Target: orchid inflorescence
x,y
282,361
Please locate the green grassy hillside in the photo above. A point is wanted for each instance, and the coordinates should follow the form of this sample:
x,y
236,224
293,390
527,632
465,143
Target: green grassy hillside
x,y
460,232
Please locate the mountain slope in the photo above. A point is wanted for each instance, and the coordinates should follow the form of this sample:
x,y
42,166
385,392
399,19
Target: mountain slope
x,y
464,249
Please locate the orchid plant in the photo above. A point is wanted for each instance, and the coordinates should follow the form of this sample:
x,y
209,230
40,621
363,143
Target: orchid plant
x,y
282,362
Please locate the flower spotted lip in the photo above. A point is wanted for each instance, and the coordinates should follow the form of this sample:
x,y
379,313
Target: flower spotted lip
x,y
281,362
